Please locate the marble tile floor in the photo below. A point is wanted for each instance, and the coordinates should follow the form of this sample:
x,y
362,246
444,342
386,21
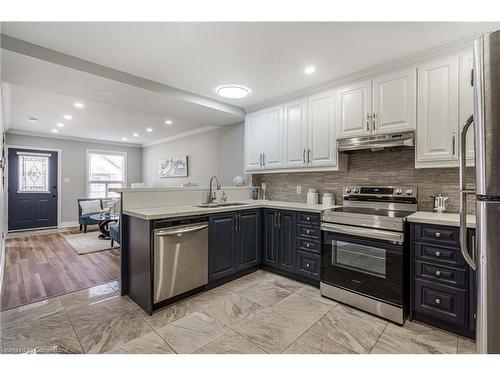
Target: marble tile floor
x,y
256,314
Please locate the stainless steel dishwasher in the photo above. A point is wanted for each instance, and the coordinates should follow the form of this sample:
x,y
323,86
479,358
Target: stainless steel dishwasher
x,y
180,257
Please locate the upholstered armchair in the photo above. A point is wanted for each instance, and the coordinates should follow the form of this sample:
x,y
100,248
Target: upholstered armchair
x,y
84,219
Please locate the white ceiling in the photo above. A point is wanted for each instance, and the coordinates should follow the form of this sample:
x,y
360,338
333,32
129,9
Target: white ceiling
x,y
269,58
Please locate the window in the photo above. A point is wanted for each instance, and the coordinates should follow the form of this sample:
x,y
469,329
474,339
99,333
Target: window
x,y
33,172
105,169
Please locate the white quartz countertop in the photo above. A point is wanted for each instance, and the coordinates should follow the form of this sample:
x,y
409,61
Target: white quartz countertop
x,y
190,210
444,218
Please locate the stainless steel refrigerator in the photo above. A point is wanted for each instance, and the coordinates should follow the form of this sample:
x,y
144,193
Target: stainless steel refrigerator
x,y
486,259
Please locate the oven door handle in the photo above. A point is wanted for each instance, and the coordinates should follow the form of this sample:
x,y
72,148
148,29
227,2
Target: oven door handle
x,y
364,232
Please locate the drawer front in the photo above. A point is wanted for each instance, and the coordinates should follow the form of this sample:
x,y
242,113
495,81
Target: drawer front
x,y
308,264
307,232
437,234
309,246
436,301
439,274
426,252
308,218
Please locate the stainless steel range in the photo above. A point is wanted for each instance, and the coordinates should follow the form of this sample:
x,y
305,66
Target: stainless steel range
x,y
364,254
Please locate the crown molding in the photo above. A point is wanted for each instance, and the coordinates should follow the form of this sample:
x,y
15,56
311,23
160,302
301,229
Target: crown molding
x,y
188,133
69,138
401,63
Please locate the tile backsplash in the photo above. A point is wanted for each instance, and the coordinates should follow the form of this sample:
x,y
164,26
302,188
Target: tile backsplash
x,y
372,168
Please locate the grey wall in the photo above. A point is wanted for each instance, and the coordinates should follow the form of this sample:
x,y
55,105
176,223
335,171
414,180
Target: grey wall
x,y
367,168
217,152
73,166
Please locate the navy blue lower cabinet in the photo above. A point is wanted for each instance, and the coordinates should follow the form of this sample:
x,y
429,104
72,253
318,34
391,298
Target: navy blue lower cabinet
x,y
222,245
270,237
287,240
443,286
249,239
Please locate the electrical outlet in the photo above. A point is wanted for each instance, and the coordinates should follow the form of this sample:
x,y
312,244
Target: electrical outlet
x,y
299,189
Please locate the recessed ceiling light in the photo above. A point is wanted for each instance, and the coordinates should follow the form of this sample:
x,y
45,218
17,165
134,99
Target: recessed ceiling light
x,y
60,124
135,135
233,91
55,131
68,117
79,105
124,139
149,130
168,122
309,69
32,119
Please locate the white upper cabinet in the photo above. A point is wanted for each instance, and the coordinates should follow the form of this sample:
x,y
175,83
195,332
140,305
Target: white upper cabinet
x,y
395,102
354,108
272,119
438,100
467,100
254,141
322,145
295,129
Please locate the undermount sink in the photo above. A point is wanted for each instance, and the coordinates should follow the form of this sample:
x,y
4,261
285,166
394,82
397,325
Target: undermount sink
x,y
219,204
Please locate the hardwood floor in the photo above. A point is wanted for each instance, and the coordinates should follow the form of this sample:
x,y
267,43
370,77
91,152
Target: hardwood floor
x,y
43,264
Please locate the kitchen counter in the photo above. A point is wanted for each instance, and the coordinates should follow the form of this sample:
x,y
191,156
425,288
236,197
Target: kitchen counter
x,y
191,210
446,218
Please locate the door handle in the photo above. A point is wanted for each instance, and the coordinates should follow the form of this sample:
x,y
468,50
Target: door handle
x,y
53,195
471,261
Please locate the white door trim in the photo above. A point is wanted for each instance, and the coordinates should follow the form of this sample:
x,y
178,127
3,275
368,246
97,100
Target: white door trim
x,y
59,177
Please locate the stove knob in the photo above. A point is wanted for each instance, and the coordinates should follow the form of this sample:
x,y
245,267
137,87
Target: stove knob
x,y
356,190
399,191
347,190
409,192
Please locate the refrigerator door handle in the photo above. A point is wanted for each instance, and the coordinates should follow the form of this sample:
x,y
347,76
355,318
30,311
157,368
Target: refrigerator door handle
x,y
463,196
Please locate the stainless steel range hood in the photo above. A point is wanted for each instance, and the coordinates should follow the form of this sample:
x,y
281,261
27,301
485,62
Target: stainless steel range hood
x,y
377,142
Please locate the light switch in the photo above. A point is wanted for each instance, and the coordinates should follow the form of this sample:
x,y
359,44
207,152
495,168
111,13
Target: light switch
x,y
67,180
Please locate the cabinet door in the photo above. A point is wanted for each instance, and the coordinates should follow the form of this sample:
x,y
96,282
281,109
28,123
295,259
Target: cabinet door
x,y
270,238
354,104
295,128
467,100
254,138
249,239
273,137
395,101
287,240
321,130
437,138
222,246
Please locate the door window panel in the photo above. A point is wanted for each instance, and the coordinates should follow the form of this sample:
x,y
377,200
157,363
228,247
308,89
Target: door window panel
x,y
33,173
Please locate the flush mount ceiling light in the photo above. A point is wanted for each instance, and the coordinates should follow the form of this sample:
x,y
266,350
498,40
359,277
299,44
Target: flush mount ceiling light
x,y
168,122
55,131
68,117
60,124
149,130
233,91
309,69
124,139
78,104
135,135
32,119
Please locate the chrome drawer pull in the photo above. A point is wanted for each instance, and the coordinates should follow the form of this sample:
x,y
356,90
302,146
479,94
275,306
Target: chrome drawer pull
x,y
307,231
438,273
438,234
307,245
438,301
438,254
308,218
307,265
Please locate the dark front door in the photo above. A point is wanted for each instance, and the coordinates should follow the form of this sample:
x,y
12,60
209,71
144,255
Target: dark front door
x,y
32,189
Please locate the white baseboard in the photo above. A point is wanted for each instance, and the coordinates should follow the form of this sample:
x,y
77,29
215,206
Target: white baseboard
x,y
66,224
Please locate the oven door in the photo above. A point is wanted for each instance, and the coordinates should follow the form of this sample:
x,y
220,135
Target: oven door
x,y
363,260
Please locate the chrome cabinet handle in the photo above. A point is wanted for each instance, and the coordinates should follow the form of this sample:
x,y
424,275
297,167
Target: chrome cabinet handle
x,y
453,144
374,115
307,265
308,156
368,119
438,253
308,218
260,159
304,156
438,273
438,234
307,245
471,261
438,301
263,159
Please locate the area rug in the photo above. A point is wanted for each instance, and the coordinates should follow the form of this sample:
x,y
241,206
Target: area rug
x,y
85,243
